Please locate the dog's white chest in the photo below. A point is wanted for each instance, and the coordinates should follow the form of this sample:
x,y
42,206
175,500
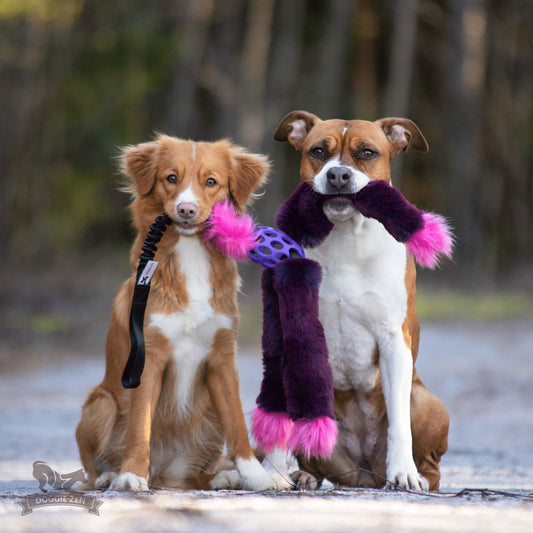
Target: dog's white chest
x,y
193,330
362,297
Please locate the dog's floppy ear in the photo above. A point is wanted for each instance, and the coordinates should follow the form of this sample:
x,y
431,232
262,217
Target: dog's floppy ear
x,y
295,127
138,163
248,172
403,134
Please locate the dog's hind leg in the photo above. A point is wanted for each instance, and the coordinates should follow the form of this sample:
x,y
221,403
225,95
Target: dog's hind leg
x,y
223,384
94,430
429,426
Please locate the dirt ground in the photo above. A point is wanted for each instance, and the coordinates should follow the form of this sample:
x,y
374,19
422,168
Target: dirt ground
x,y
482,372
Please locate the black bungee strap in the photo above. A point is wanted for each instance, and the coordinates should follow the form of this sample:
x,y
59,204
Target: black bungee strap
x,y
131,377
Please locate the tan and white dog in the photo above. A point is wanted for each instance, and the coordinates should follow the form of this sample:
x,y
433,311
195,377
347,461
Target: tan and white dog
x,y
170,431
392,430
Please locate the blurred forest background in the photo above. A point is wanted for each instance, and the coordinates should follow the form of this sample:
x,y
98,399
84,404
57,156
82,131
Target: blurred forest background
x,y
79,78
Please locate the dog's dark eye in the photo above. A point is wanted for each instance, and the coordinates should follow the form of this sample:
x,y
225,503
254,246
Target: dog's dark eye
x,y
318,152
366,153
211,182
172,178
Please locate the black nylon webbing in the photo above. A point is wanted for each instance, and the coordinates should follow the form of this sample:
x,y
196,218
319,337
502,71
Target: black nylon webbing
x,y
131,377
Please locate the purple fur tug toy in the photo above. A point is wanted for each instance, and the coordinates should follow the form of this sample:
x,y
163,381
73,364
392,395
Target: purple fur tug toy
x,y
295,404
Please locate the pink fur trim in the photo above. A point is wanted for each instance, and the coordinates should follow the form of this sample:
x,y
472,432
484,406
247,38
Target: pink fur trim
x,y
231,233
270,430
433,240
315,437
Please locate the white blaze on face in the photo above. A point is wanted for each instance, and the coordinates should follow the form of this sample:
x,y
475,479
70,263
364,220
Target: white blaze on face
x,y
358,179
187,196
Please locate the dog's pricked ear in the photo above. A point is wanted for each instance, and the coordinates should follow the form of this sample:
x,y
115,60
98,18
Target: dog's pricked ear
x,y
295,127
403,133
248,172
138,163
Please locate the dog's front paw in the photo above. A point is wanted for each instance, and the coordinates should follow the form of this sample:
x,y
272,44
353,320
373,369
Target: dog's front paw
x,y
407,479
227,479
277,481
127,481
232,480
255,477
305,481
103,481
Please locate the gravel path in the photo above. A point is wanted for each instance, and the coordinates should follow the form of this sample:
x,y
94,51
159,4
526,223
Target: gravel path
x,y
483,373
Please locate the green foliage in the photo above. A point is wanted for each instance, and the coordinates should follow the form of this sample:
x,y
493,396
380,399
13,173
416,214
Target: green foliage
x,y
81,78
104,62
484,307
42,9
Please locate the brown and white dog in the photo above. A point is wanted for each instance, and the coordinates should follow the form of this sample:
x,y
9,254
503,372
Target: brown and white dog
x,y
170,431
389,423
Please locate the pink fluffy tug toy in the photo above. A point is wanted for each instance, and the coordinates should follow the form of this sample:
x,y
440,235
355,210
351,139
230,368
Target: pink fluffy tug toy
x,y
295,405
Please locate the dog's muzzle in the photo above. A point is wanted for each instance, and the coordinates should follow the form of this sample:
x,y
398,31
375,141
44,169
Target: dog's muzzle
x,y
338,178
338,209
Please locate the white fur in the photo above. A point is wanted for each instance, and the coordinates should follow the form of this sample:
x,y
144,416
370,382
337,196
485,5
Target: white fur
x,y
363,304
280,461
250,475
254,476
129,481
104,480
227,479
173,459
359,179
179,466
187,196
193,330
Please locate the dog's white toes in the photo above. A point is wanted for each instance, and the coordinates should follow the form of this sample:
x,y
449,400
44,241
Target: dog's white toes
x,y
281,482
231,479
104,480
418,483
227,479
407,481
128,481
255,477
272,481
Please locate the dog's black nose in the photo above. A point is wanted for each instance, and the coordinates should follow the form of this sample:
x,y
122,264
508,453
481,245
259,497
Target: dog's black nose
x,y
338,177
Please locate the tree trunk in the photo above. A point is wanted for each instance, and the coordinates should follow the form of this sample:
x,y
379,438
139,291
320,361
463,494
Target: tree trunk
x,y
332,52
401,65
185,79
465,77
253,73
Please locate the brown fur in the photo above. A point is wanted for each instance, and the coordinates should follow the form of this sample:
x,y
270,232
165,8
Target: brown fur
x,y
139,430
359,458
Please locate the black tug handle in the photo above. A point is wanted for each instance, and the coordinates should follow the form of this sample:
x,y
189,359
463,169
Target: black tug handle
x,y
131,377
